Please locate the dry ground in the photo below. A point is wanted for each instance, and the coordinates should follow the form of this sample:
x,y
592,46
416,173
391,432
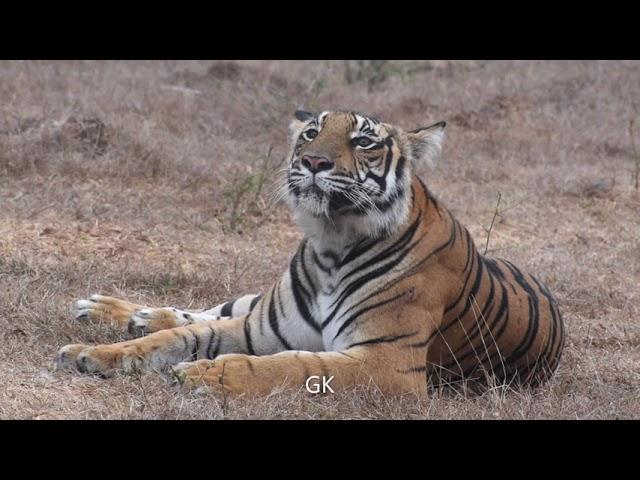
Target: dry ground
x,y
145,180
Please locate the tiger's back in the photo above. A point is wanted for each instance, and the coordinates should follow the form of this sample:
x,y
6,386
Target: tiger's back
x,y
501,325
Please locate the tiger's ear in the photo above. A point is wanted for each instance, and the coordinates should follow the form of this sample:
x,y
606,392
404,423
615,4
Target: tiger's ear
x,y
300,119
426,143
303,116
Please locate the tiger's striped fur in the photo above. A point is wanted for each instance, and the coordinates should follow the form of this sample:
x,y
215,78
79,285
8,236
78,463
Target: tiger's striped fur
x,y
387,287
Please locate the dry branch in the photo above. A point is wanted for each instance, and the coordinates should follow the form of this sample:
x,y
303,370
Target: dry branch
x,y
496,213
635,154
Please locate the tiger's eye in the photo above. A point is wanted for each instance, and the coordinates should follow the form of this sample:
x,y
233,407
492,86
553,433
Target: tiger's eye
x,y
362,141
311,134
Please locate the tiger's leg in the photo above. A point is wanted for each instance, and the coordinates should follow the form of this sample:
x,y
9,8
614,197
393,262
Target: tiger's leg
x,y
385,347
140,320
272,326
101,308
160,349
252,376
149,320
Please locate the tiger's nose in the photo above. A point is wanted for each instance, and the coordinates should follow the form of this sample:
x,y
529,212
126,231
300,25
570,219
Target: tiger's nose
x,y
317,164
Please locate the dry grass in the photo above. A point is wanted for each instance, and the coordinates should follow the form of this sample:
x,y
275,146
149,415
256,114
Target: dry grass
x,y
143,180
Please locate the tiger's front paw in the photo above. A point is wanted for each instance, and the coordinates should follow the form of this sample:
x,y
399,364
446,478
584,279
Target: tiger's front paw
x,y
101,308
149,320
103,360
229,373
67,355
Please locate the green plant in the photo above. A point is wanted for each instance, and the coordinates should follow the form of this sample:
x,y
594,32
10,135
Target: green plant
x,y
244,194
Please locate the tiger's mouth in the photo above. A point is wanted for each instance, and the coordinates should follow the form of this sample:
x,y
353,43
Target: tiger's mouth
x,y
334,201
314,190
324,196
311,189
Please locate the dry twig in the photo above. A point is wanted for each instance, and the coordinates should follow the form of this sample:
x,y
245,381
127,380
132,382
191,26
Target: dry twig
x,y
496,213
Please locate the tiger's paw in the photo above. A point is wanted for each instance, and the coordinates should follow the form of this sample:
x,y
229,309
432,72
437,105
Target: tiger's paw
x,y
103,360
101,308
149,320
228,374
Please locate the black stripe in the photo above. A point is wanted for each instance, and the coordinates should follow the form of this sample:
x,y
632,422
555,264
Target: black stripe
x,y
314,291
216,349
502,309
350,356
183,338
227,308
357,251
436,251
532,327
413,269
299,291
485,312
319,263
420,369
472,257
549,346
332,256
472,294
255,300
389,159
419,344
247,336
381,206
261,317
559,347
390,250
400,168
497,359
342,174
342,181
273,318
195,348
493,267
385,339
208,352
353,317
360,282
381,180
429,197
297,286
355,166
556,324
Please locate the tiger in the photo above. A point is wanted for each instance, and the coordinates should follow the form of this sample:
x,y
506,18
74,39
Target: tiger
x,y
386,288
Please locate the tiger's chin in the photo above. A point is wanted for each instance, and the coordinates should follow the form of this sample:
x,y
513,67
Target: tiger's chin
x,y
322,216
325,206
313,202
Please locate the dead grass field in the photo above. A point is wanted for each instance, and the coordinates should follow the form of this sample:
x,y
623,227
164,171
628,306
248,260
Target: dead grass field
x,y
145,180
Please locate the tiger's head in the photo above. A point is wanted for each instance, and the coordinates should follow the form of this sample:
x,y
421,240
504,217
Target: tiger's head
x,y
349,171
